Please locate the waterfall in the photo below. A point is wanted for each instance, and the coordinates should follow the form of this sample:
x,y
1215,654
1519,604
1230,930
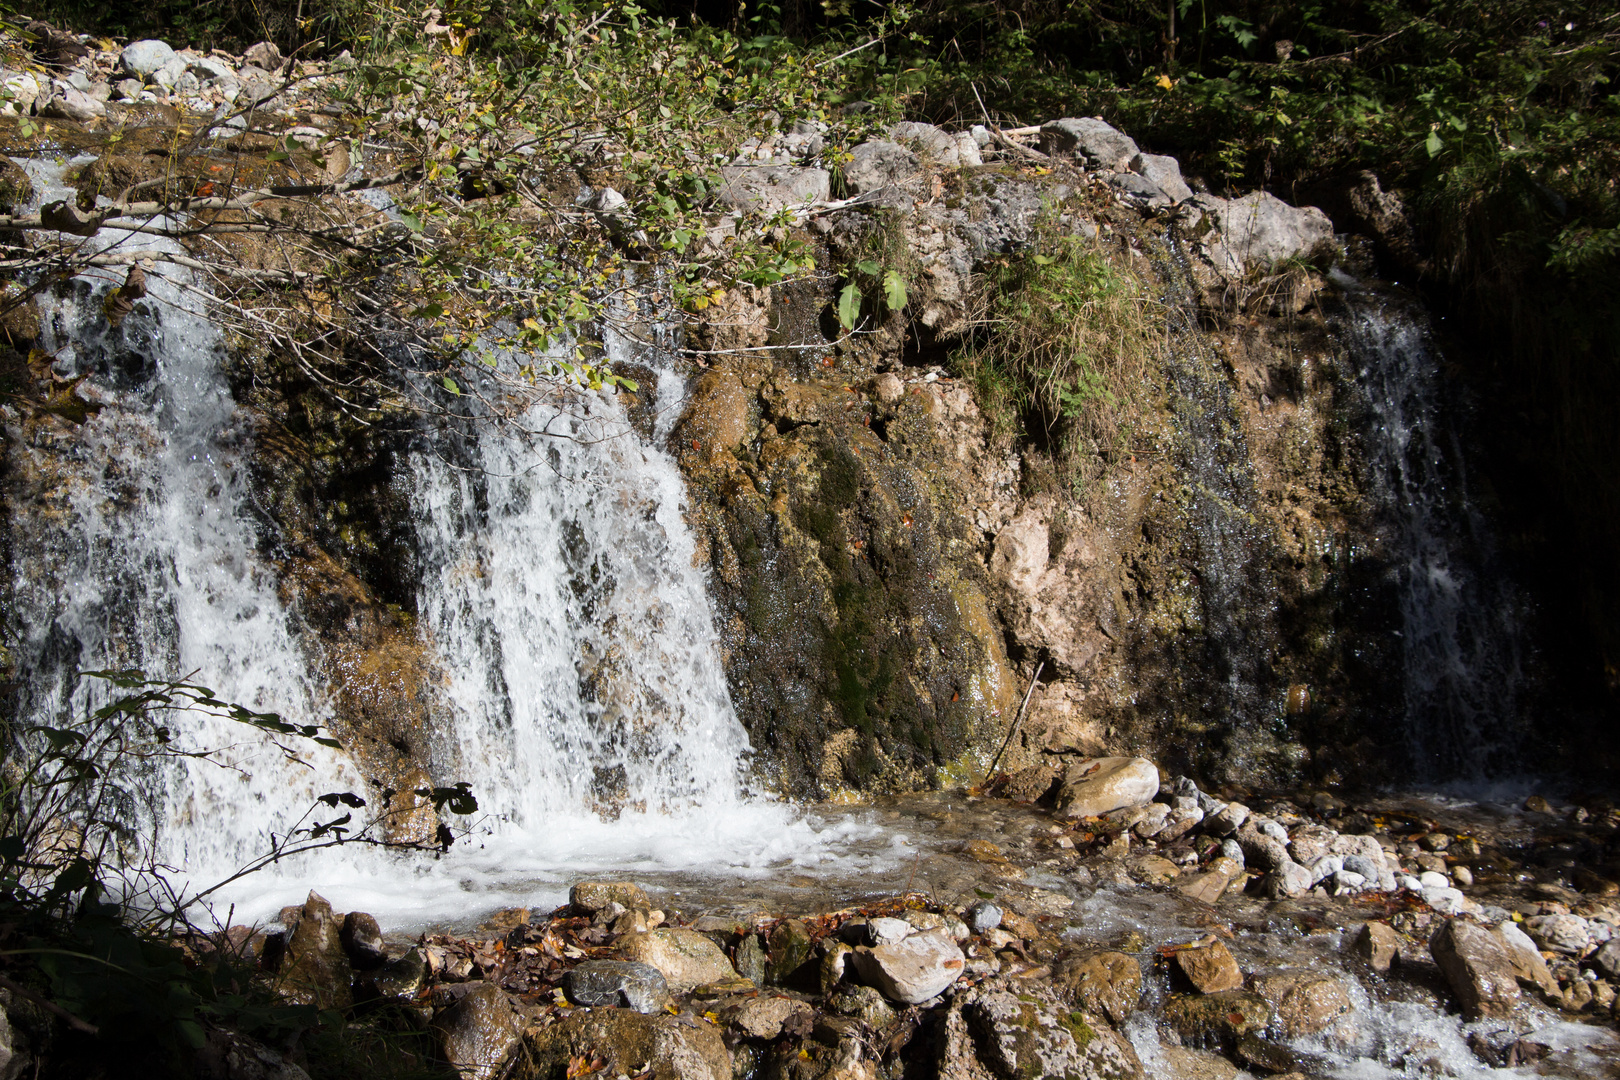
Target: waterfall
x,y
1462,677
584,701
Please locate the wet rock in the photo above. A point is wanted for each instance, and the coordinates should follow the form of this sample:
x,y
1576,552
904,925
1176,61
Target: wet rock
x,y
1565,934
671,1047
1151,820
316,970
363,941
1097,786
1185,1063
983,916
1104,983
1607,960
1098,145
865,1004
1210,885
1378,944
228,1055
141,58
630,983
764,1017
478,1033
402,977
1304,1002
1165,174
589,897
685,957
834,965
1478,966
751,958
1227,820
1154,869
1209,968
1217,1020
991,1032
913,970
1287,881
790,948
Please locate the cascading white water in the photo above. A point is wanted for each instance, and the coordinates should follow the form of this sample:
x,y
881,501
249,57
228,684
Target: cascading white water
x,y
1459,617
585,701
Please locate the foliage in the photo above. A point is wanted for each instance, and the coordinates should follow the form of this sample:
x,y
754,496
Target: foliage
x,y
92,925
1068,347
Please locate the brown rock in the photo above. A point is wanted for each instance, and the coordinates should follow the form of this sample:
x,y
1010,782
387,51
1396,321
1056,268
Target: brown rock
x,y
1479,967
763,1017
1101,785
1304,1002
315,970
716,418
1378,944
478,1033
1209,968
672,1047
684,957
589,897
1208,886
1210,1020
1105,983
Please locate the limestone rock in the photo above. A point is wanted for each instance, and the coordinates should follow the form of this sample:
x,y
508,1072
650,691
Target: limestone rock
x,y
141,58
763,1017
1258,231
1164,172
316,971
14,1055
589,897
673,1047
1607,959
71,103
992,1032
715,421
912,970
1209,968
264,55
685,957
630,983
1104,983
1139,190
478,1033
1286,881
1478,966
863,1003
1227,820
879,164
1098,145
769,188
1564,934
1378,944
1095,787
790,949
939,146
1260,851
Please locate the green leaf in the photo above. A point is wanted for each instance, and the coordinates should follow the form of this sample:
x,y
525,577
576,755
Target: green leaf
x,y
894,291
429,311
450,385
868,267
1433,144
849,306
411,221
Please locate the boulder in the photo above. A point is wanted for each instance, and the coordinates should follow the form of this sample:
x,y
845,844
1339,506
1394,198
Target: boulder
x,y
1164,172
993,1031
790,949
1607,960
715,422
949,151
402,977
1209,968
629,983
1563,934
1479,967
1139,190
629,1043
1105,984
363,941
1528,964
1304,1002
141,58
685,957
763,1017
589,897
1256,232
315,970
478,1033
911,971
769,188
1217,1020
1287,881
1211,884
264,55
878,165
70,103
1097,786
1091,141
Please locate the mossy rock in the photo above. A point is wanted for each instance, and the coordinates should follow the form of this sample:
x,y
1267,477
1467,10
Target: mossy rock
x,y
1217,1020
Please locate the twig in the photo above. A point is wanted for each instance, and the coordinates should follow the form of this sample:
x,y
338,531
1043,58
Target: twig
x,y
1017,719
45,1003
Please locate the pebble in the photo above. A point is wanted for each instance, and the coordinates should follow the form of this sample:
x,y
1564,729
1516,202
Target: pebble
x,y
983,916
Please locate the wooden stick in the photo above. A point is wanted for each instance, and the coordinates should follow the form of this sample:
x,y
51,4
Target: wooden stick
x,y
1017,719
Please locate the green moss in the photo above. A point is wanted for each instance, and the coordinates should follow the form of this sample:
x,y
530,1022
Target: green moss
x,y
1076,1025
